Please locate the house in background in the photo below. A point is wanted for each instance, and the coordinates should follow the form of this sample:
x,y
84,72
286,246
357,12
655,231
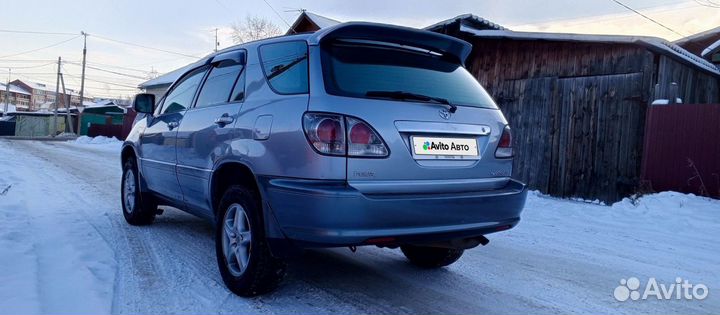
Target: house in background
x,y
309,22
19,97
696,43
41,93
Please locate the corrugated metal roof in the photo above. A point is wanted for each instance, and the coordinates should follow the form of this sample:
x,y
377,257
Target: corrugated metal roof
x,y
658,44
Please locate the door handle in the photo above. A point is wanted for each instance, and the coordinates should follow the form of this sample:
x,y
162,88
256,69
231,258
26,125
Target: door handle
x,y
173,124
224,120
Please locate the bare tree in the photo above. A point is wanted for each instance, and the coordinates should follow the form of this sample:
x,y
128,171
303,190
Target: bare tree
x,y
254,28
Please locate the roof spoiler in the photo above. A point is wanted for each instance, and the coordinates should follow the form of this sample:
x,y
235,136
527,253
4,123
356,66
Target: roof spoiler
x,y
400,35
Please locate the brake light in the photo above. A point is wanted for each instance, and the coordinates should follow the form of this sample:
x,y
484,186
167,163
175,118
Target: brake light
x,y
363,140
328,134
504,148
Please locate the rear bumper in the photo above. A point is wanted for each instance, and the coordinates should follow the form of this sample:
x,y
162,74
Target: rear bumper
x,y
318,213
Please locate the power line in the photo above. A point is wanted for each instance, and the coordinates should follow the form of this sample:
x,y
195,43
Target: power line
x,y
278,14
35,32
142,46
647,17
41,48
117,73
30,67
708,3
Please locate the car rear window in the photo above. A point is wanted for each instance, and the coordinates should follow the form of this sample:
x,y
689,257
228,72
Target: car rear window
x,y
354,69
286,66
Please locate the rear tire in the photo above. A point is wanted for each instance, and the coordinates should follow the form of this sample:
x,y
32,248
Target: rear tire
x,y
246,266
431,257
138,208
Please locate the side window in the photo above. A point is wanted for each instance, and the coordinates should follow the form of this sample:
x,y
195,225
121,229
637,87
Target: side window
x,y
219,84
238,93
182,94
286,67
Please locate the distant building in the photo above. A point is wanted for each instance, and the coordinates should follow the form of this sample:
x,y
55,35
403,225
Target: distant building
x,y
18,97
41,93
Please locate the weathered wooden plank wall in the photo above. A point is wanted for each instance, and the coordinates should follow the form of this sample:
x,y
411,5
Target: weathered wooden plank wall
x,y
577,110
694,87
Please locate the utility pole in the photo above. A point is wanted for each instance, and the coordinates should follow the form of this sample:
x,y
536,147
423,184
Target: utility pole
x,y
7,94
66,100
216,40
57,96
82,78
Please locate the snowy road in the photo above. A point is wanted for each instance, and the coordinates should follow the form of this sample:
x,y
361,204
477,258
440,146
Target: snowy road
x,y
65,248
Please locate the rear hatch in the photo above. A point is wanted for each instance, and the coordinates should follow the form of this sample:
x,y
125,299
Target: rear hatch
x,y
439,125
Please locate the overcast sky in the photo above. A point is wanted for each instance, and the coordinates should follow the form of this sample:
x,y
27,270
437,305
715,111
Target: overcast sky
x,y
187,27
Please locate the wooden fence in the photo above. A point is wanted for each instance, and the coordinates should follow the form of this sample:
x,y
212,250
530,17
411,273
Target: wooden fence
x,y
682,149
579,136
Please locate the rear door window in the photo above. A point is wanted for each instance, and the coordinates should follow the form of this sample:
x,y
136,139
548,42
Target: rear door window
x,y
285,66
219,84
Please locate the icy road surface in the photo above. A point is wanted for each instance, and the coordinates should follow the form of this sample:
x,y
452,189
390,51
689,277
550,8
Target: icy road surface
x,y
65,248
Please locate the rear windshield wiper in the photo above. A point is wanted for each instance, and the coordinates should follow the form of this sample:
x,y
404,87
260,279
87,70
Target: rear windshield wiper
x,y
279,69
411,96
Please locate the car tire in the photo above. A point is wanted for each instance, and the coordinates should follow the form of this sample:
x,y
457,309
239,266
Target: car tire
x,y
138,208
247,267
431,257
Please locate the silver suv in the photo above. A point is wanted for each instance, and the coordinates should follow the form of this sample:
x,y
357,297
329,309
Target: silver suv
x,y
359,134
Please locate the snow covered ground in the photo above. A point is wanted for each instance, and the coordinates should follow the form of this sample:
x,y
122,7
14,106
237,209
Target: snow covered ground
x,y
65,249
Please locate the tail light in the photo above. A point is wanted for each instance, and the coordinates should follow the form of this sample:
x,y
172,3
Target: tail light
x,y
326,132
363,140
504,149
329,133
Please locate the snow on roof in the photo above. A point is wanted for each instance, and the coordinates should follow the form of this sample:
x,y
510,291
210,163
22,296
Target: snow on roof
x,y
165,79
321,21
655,43
469,19
14,89
713,48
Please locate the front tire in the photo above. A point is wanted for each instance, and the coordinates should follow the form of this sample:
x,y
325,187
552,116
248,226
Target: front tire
x,y
243,256
431,257
138,208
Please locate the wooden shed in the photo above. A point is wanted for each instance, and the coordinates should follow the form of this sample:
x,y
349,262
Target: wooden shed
x,y
578,103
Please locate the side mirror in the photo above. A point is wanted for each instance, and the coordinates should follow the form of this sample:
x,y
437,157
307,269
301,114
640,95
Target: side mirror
x,y
144,103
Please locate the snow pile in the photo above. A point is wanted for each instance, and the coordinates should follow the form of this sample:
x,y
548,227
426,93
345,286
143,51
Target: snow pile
x,y
96,140
97,143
